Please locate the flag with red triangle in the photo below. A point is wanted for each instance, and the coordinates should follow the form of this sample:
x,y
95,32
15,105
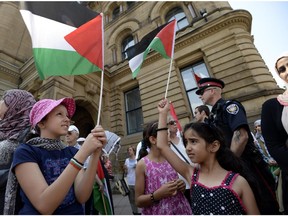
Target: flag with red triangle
x,y
48,23
161,40
87,40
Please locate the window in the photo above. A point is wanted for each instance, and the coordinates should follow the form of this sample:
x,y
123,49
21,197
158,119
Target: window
x,y
126,44
178,14
190,82
130,4
133,109
115,13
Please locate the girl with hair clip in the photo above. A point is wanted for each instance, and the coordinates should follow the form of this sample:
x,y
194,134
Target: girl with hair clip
x,y
50,174
158,190
216,187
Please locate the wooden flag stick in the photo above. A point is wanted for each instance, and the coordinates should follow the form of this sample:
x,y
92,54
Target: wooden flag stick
x,y
102,73
100,99
169,75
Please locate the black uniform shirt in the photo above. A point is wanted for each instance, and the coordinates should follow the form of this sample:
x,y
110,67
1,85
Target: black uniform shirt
x,y
229,116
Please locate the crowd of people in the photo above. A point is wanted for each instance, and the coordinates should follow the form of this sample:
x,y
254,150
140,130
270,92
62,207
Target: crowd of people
x,y
217,165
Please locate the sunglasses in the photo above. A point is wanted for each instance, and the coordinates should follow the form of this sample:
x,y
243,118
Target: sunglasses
x,y
281,69
172,122
204,90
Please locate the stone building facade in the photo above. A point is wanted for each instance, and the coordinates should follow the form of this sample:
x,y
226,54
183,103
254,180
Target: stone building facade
x,y
212,40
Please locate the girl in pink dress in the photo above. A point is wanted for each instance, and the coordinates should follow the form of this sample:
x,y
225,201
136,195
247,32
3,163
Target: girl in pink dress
x,y
158,190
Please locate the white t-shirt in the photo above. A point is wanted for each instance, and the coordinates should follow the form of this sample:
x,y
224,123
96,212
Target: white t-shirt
x,y
131,166
180,146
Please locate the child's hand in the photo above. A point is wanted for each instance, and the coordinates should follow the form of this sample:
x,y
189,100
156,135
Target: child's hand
x,y
99,133
168,189
181,186
91,144
163,106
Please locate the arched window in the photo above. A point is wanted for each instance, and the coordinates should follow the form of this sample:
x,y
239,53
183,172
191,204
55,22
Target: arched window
x,y
127,43
180,16
130,4
115,12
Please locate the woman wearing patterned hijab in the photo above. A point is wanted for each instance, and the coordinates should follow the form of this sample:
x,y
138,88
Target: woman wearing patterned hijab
x,y
15,107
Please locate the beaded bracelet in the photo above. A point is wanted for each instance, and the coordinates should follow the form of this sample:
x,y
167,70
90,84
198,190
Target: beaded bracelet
x,y
161,129
153,199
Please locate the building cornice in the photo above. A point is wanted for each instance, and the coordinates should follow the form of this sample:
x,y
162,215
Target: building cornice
x,y
9,69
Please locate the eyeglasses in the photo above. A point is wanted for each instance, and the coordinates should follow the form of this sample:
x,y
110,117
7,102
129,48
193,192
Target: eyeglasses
x,y
281,69
204,90
172,123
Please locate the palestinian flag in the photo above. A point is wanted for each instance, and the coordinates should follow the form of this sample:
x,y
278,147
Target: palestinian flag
x,y
49,22
102,201
161,40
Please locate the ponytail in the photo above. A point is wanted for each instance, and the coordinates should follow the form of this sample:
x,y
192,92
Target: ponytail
x,y
149,130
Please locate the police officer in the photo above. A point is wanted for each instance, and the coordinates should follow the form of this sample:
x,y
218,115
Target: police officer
x,y
230,117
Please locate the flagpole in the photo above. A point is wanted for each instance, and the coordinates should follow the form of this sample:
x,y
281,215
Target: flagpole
x,y
100,99
103,199
169,75
171,61
102,72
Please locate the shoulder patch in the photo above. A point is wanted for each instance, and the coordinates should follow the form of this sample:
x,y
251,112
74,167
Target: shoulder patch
x,y
232,109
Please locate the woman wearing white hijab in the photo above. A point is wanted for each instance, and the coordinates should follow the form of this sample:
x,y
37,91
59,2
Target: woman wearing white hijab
x,y
274,123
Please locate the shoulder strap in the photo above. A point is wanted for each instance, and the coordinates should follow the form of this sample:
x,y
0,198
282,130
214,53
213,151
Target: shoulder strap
x,y
230,178
195,175
180,153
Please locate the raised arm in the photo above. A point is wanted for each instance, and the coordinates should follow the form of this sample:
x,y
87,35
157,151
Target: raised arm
x,y
162,143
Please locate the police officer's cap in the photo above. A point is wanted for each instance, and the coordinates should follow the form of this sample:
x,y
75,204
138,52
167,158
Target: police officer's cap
x,y
209,82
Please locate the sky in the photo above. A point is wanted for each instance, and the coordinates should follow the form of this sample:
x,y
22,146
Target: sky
x,y
269,28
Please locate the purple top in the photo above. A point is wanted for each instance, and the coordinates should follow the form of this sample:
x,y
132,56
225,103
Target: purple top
x,y
157,174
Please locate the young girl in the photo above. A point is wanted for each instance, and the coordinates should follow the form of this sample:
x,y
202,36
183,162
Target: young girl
x,y
215,187
50,174
158,190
